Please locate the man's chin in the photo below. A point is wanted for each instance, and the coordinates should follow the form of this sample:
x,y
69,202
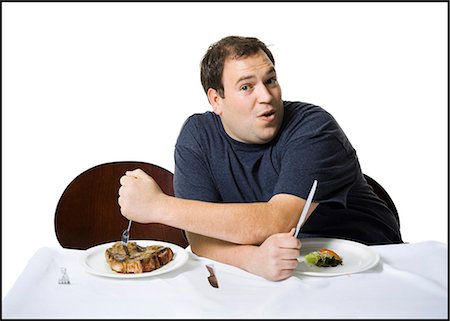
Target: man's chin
x,y
267,137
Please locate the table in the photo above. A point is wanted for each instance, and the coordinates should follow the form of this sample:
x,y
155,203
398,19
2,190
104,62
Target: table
x,y
410,281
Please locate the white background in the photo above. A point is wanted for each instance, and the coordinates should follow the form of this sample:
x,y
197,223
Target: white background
x,y
88,83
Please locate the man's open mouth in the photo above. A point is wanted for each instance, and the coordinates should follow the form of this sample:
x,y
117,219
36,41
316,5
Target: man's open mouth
x,y
268,115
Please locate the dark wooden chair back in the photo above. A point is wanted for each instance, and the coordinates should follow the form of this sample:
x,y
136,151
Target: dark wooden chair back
x,y
383,194
88,214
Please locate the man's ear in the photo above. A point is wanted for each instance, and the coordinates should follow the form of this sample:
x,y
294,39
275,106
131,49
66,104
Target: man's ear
x,y
214,99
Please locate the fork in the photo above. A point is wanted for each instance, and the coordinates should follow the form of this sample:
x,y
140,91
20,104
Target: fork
x,y
64,278
126,234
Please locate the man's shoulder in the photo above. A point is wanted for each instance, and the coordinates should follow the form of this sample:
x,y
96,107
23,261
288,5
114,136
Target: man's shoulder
x,y
300,108
206,116
306,115
200,121
198,128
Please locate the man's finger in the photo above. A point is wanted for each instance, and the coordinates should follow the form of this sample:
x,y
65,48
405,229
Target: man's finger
x,y
124,180
136,173
292,231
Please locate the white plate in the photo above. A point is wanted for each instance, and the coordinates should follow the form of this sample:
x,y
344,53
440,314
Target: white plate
x,y
356,257
94,261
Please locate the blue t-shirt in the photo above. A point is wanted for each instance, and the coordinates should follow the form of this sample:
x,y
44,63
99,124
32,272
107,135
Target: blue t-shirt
x,y
211,166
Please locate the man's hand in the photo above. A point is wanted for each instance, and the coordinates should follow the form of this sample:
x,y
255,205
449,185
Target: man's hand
x,y
139,195
276,258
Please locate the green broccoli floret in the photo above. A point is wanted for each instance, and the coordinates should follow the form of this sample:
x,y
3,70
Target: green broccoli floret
x,y
323,258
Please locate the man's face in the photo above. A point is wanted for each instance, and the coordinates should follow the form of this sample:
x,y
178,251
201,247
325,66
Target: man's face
x,y
252,110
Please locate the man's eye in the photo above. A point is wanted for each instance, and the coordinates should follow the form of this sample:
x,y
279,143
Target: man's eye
x,y
245,87
271,81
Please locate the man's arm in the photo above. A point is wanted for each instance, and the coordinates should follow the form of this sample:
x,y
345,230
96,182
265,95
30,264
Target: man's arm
x,y
275,259
141,200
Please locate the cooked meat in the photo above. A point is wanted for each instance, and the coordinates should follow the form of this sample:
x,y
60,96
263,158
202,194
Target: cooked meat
x,y
137,259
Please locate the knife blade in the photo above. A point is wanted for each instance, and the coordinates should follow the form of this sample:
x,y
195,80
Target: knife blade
x,y
212,277
306,208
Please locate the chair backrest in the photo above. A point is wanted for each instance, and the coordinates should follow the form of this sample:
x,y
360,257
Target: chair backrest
x,y
88,213
383,194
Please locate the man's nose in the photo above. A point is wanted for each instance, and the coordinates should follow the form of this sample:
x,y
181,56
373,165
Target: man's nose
x,y
264,94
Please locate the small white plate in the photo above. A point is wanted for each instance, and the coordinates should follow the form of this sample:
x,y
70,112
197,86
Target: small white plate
x,y
94,261
356,257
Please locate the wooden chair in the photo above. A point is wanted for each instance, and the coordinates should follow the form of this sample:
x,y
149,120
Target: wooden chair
x,y
383,194
88,214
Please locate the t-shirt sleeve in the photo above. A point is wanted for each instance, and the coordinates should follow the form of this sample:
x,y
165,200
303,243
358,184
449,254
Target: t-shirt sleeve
x,y
192,178
318,150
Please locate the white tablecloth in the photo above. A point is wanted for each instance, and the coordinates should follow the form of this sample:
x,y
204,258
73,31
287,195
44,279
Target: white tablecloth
x,y
409,282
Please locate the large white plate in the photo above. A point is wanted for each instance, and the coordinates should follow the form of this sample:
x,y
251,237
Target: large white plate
x,y
94,261
356,257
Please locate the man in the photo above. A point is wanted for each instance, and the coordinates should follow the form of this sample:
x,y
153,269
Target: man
x,y
243,171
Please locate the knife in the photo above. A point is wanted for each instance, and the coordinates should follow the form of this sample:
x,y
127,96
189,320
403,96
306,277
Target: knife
x,y
306,208
212,277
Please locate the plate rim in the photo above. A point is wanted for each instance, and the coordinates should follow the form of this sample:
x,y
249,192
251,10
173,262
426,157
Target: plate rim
x,y
178,250
376,256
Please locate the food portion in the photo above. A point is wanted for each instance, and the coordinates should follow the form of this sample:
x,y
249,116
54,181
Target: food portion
x,y
137,259
323,258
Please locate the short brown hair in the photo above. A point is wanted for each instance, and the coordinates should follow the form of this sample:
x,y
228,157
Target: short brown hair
x,y
211,68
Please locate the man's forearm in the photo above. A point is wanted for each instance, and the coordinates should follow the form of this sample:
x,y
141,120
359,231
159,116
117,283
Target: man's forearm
x,y
275,259
240,223
222,251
